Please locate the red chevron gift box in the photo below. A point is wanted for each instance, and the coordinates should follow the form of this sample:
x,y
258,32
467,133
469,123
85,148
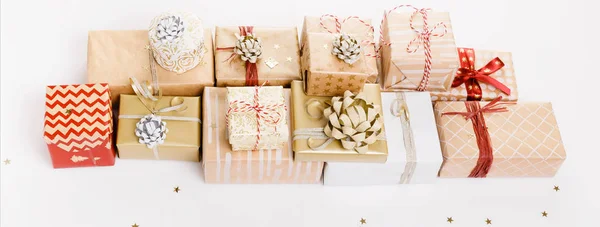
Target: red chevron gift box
x,y
78,125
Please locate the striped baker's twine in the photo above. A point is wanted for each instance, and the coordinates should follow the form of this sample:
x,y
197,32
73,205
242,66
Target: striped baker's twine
x,y
268,113
338,28
423,38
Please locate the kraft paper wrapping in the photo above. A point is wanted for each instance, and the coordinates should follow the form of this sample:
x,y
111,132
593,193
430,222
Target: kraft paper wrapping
x,y
115,56
278,44
506,76
183,139
243,126
377,153
526,141
351,26
223,165
404,71
324,73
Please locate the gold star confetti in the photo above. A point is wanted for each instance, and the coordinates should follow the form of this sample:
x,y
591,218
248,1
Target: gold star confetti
x,y
340,80
6,161
488,221
363,221
329,76
176,189
289,59
544,214
352,77
328,84
350,85
135,225
326,46
276,46
449,220
147,47
338,87
68,111
556,188
362,80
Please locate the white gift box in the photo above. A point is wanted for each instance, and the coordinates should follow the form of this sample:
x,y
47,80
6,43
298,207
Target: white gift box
x,y
399,169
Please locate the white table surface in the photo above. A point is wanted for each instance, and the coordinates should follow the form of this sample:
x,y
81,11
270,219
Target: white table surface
x,y
554,44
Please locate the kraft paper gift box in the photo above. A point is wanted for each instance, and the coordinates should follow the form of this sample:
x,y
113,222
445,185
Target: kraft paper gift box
x,y
223,165
524,140
279,63
182,140
414,155
115,56
308,119
483,75
248,131
403,53
360,28
78,125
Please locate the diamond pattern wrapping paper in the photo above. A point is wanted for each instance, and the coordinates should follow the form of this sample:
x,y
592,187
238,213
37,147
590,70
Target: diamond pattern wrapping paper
x,y
78,125
264,166
526,141
280,62
402,70
243,126
506,76
115,56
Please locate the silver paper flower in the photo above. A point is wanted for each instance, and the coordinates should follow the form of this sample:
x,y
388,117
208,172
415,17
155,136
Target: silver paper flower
x,y
151,130
248,48
169,28
346,48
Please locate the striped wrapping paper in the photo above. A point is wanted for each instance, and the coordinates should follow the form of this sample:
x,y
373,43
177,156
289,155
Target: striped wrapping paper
x,y
403,70
223,165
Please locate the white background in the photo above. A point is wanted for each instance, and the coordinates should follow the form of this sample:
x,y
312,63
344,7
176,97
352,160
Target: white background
x,y
555,48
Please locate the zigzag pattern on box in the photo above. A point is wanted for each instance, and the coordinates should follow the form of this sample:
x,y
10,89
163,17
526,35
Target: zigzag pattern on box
x,y
78,117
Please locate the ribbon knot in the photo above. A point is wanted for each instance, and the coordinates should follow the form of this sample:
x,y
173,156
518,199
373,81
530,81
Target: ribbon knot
x,y
467,74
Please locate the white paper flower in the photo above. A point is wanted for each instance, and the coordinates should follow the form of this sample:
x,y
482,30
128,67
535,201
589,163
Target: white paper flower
x,y
151,130
346,48
170,28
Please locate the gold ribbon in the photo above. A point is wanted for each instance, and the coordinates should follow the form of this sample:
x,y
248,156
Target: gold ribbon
x,y
351,120
399,109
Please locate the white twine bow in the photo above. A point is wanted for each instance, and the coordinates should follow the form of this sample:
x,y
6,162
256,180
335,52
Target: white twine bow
x,y
338,28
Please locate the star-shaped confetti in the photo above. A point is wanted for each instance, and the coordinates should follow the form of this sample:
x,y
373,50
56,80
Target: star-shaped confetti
x,y
289,59
276,46
556,188
340,80
68,111
544,214
326,46
176,189
363,221
329,76
449,220
6,161
488,221
328,84
147,47
135,225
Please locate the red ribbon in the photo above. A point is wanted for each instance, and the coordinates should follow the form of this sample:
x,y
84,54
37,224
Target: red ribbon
x,y
269,112
470,77
251,68
475,114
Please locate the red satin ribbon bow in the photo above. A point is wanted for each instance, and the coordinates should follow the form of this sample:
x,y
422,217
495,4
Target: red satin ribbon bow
x,y
251,68
268,113
475,114
470,77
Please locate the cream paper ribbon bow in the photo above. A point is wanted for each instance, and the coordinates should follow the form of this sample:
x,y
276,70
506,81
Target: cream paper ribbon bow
x,y
353,121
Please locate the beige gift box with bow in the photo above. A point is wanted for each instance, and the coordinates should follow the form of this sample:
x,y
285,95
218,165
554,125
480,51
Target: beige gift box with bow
x,y
403,70
304,121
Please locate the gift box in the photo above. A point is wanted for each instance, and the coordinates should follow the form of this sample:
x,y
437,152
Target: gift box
x,y
179,136
272,53
483,76
334,62
418,50
413,158
223,165
358,135
78,125
495,139
115,56
359,28
252,128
